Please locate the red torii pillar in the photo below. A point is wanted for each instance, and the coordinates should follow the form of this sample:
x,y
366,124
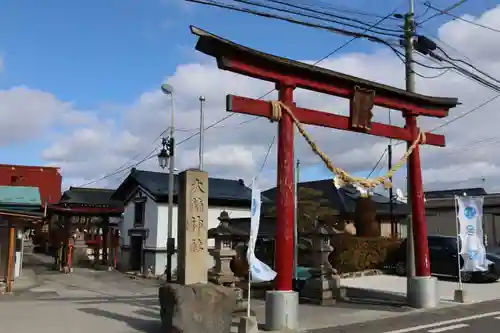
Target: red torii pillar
x,y
288,75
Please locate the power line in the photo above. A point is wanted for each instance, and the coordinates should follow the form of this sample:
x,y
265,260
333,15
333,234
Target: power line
x,y
478,107
149,156
341,17
441,12
444,12
462,61
341,31
378,162
139,154
291,20
325,5
466,113
267,154
320,60
454,67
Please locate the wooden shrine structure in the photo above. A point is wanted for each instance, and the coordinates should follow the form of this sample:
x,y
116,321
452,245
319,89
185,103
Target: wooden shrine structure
x,y
92,207
363,94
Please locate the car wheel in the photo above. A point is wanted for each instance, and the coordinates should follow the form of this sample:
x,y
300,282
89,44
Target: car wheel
x,y
466,277
400,268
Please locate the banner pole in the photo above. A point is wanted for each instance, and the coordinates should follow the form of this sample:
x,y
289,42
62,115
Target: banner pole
x,y
249,293
457,224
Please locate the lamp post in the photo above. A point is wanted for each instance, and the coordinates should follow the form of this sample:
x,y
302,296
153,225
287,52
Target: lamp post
x,y
202,101
169,90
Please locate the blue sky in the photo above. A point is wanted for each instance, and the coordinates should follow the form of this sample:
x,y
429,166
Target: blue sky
x,y
94,53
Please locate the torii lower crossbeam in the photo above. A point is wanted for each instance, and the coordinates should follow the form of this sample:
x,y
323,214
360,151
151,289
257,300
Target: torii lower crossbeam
x,y
312,117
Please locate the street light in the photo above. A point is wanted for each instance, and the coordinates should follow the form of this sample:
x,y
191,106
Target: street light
x,y
169,90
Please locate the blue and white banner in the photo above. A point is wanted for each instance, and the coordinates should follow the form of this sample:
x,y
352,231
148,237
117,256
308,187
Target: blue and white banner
x,y
470,231
259,271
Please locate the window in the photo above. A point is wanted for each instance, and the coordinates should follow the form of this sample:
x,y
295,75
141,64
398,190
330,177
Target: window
x,y
139,213
14,179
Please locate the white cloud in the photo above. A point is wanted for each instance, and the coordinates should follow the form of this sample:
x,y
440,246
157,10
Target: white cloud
x,y
26,113
99,142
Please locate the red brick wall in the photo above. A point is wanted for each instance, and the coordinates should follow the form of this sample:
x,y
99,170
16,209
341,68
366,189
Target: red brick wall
x,y
47,179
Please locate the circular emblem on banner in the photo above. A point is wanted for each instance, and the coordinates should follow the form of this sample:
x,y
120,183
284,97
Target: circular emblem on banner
x,y
254,207
255,269
471,230
473,254
470,212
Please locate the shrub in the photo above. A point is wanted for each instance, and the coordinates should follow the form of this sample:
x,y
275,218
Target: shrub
x,y
353,254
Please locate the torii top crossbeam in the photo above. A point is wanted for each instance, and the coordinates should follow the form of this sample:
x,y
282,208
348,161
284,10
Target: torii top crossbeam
x,y
364,94
269,67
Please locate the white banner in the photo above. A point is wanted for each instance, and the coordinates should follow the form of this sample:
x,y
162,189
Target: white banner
x,y
470,232
259,271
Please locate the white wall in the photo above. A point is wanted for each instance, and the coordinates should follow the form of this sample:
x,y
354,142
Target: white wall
x,y
150,222
213,214
156,220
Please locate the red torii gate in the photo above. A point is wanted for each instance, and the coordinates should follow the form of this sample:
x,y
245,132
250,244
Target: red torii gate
x,y
288,75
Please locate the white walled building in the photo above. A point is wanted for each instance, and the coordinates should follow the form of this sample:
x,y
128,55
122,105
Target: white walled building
x,y
143,241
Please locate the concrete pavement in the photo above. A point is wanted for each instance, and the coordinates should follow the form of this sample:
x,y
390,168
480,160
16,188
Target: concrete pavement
x,y
88,300
396,286
478,317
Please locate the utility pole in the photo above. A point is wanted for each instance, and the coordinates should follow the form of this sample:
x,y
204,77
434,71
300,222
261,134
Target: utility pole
x,y
200,152
169,90
409,30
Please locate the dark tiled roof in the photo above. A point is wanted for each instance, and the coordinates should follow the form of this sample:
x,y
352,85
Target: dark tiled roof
x,y
90,197
223,50
344,199
241,227
477,191
157,184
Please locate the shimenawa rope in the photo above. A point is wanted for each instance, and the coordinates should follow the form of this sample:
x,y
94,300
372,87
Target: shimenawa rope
x,y
277,108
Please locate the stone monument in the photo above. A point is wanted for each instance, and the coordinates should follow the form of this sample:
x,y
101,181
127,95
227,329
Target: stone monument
x,y
192,227
192,305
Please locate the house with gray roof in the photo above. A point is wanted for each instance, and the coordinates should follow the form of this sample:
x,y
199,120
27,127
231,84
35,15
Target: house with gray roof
x,y
342,201
143,230
441,213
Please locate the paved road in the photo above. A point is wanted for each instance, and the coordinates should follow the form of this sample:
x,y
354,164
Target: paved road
x,y
480,317
88,300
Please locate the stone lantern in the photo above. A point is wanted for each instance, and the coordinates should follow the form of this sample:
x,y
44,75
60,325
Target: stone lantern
x,y
324,286
223,252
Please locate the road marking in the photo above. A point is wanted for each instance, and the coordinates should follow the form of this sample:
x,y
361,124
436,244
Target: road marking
x,y
445,322
496,318
447,328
